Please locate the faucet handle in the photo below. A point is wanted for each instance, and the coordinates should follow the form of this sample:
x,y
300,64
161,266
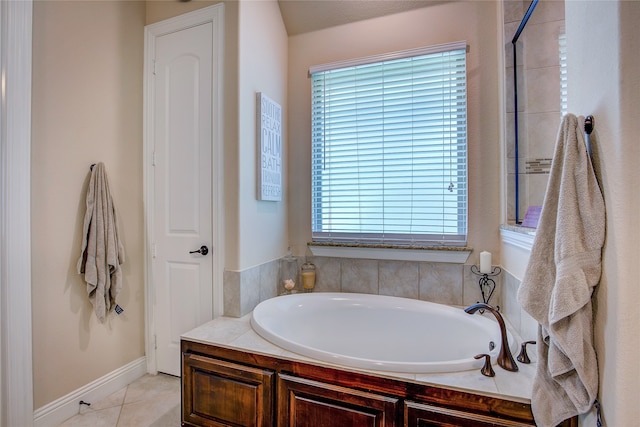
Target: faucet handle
x,y
486,370
523,356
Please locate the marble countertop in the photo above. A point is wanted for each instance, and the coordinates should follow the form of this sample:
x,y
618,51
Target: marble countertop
x,y
519,229
237,333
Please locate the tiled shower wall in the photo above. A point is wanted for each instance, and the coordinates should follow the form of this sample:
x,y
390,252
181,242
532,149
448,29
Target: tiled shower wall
x,y
445,283
539,101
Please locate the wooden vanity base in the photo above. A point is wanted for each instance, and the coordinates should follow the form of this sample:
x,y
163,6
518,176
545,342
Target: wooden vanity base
x,y
228,387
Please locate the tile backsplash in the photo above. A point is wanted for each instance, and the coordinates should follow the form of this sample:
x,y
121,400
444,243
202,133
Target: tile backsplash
x,y
525,325
452,284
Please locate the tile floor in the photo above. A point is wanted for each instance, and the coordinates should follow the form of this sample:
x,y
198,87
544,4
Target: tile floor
x,y
151,401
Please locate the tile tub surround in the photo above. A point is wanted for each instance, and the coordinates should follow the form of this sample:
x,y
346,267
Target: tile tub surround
x,y
524,325
445,283
237,333
243,290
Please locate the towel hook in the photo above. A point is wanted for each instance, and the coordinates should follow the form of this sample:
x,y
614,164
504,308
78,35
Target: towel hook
x,y
589,122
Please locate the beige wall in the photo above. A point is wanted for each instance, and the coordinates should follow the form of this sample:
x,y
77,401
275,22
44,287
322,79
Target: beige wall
x,y
86,108
159,10
262,225
604,80
475,22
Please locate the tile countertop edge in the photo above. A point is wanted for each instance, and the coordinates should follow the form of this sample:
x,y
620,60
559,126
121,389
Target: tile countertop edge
x,y
237,334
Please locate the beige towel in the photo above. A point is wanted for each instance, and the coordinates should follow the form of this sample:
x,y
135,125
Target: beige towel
x,y
564,267
102,251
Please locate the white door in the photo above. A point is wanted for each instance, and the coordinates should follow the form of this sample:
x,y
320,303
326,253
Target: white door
x,y
182,188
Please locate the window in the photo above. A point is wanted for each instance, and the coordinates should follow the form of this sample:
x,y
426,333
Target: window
x,y
389,148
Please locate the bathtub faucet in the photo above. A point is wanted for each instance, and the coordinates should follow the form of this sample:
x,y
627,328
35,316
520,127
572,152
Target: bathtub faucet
x,y
505,358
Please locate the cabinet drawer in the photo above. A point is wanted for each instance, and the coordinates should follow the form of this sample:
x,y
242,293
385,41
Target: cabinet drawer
x,y
422,415
307,403
219,393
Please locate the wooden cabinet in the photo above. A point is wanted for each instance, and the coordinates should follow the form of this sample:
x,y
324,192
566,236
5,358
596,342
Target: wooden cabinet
x,y
223,386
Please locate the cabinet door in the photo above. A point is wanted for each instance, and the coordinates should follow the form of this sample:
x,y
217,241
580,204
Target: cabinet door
x,y
219,393
307,403
422,415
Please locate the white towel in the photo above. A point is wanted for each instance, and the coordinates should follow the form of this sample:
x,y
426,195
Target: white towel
x,y
564,267
102,251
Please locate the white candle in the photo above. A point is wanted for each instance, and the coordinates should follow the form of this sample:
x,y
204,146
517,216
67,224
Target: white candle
x,y
485,262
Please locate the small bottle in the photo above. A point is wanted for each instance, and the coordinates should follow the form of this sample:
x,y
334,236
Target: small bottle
x,y
308,276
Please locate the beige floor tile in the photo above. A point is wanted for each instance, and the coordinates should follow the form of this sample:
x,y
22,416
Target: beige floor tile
x,y
170,419
153,400
152,386
95,418
146,412
115,399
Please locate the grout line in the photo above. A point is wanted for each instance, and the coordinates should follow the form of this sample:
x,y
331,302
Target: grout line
x,y
119,415
124,399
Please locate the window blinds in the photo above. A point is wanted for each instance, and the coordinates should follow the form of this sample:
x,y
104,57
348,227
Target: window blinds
x,y
389,148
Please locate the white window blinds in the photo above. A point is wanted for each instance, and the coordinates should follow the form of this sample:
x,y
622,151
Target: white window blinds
x,y
389,148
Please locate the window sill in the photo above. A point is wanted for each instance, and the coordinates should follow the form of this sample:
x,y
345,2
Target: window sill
x,y
450,254
521,237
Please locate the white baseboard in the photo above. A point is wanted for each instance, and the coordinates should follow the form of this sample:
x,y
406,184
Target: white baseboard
x,y
67,406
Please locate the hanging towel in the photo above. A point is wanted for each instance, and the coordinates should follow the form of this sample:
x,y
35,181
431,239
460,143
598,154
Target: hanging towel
x,y
564,268
102,251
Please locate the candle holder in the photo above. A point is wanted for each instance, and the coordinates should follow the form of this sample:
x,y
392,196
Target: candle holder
x,y
308,275
486,283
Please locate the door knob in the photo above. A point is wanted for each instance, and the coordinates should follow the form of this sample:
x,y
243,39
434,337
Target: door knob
x,y
202,251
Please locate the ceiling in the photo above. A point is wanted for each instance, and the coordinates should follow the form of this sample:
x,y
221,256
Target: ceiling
x,y
303,16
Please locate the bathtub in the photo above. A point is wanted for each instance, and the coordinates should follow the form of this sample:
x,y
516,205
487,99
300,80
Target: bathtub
x,y
376,332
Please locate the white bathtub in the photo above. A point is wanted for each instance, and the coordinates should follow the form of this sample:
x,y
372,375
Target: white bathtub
x,y
377,332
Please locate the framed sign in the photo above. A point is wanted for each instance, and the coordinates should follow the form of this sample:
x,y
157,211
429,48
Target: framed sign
x,y
269,136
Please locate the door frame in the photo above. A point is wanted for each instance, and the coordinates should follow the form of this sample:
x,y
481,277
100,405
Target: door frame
x,y
215,15
16,371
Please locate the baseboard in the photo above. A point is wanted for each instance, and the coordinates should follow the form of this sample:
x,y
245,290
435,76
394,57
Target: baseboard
x,y
67,406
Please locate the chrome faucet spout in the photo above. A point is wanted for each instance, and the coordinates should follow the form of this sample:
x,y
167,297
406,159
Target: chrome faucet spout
x,y
505,358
